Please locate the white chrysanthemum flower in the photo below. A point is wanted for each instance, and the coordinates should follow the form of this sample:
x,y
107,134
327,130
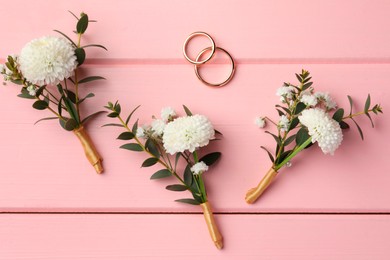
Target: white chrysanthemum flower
x,y
284,123
47,60
327,99
309,100
260,122
167,114
158,126
322,129
141,132
199,168
31,90
285,92
187,133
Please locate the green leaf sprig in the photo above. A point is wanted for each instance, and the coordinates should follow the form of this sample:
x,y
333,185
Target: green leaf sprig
x,y
294,138
61,100
153,147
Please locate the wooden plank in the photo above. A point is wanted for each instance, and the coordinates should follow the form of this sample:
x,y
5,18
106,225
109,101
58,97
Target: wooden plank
x,y
106,236
43,168
251,31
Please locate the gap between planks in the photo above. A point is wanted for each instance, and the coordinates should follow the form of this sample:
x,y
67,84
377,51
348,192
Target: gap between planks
x,y
265,61
187,213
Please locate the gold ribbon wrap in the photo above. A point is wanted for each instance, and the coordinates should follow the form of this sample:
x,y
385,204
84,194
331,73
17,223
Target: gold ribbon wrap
x,y
89,149
211,225
253,194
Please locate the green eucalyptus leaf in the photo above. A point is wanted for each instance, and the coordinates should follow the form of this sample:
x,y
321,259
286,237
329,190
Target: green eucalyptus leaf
x,y
367,104
39,91
69,39
24,94
59,107
82,24
306,86
280,113
80,55
369,117
269,153
132,147
289,140
44,119
283,156
118,125
298,77
359,129
176,187
277,139
71,95
188,112
211,158
350,104
94,45
284,108
151,146
126,136
188,175
70,124
117,108
71,108
344,125
149,162
161,174
40,105
87,96
299,108
302,136
89,79
113,114
131,114
294,122
92,116
338,115
188,201
135,127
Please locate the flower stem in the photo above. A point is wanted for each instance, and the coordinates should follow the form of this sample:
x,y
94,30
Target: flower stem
x,y
295,152
357,114
158,159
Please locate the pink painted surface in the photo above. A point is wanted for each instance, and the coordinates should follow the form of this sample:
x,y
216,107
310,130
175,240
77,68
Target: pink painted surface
x,y
345,45
249,237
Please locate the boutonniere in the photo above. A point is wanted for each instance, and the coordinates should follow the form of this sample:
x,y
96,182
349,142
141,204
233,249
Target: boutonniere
x,y
174,143
306,117
47,69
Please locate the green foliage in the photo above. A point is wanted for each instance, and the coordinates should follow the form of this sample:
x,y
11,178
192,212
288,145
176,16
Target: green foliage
x,y
126,136
90,78
211,158
176,187
80,55
82,24
132,147
40,105
188,201
163,173
150,162
154,148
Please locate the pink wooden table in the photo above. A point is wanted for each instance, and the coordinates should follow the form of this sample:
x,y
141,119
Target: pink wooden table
x,y
55,207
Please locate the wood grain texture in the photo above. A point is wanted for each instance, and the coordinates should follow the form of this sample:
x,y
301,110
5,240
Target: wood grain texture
x,y
265,30
344,44
116,237
354,179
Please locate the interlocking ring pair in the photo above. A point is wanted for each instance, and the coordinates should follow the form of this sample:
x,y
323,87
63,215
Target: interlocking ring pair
x,y
197,63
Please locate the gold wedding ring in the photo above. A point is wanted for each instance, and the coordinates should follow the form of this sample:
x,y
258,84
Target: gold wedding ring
x,y
215,84
197,62
192,35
